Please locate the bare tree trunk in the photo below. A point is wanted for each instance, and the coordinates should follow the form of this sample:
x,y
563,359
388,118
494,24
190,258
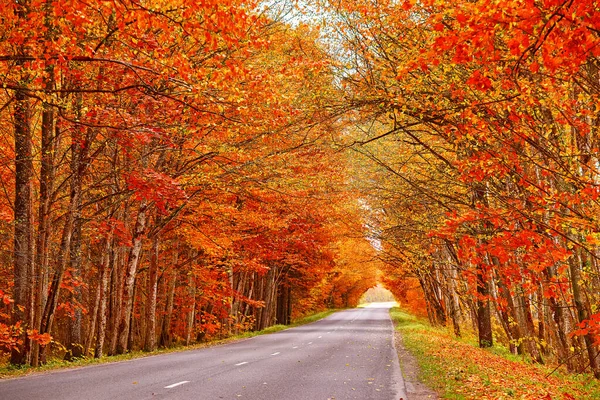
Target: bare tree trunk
x,y
152,295
453,302
132,265
453,265
74,346
582,314
94,320
524,307
22,245
484,315
116,297
47,173
53,296
561,325
108,260
78,166
192,314
165,336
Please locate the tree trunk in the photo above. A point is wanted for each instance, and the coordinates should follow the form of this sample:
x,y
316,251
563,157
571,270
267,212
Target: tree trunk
x,y
132,265
192,313
108,261
116,293
94,320
559,318
454,304
484,315
22,245
48,148
283,305
53,296
165,336
78,154
582,314
525,306
150,344
74,346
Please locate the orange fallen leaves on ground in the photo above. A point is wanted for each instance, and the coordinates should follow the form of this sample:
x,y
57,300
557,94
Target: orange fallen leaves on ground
x,y
475,373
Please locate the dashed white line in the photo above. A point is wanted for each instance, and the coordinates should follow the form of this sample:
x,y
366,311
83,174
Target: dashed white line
x,y
274,354
320,337
242,363
295,347
175,384
309,342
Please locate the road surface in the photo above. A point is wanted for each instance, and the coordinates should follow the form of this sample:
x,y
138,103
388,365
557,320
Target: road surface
x,y
348,355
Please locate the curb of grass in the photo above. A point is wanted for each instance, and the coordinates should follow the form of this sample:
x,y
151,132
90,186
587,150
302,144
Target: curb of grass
x,y
8,371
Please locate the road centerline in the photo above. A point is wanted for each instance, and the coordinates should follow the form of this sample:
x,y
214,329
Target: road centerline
x,y
176,384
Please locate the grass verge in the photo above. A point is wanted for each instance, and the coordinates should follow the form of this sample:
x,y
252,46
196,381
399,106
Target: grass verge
x,y
458,369
10,371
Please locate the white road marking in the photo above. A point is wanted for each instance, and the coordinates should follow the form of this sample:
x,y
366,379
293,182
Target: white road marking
x,y
242,363
295,347
309,342
274,354
175,384
320,337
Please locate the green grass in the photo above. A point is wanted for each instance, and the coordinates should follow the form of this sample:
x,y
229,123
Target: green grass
x,y
11,371
434,374
458,369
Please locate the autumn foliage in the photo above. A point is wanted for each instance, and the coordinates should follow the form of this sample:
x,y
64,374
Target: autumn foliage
x,y
174,171
167,176
478,126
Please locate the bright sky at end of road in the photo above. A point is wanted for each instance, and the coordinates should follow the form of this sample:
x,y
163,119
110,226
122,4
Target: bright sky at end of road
x,y
386,304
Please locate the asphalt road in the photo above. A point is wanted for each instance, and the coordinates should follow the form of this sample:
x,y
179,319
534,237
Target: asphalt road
x,y
349,355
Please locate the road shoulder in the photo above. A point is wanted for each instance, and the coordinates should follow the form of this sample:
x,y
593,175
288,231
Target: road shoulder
x,y
415,389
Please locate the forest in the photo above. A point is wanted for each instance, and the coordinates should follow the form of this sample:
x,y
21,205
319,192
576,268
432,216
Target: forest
x,y
176,171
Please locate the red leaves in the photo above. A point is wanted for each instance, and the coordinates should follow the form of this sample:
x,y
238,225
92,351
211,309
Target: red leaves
x,y
5,298
479,81
589,326
108,228
156,187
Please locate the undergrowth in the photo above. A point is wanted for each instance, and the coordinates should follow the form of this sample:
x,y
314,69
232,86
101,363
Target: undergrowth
x,y
459,369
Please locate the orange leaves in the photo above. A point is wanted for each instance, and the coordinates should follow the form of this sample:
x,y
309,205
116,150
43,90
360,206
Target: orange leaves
x,y
41,339
10,337
472,373
408,4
